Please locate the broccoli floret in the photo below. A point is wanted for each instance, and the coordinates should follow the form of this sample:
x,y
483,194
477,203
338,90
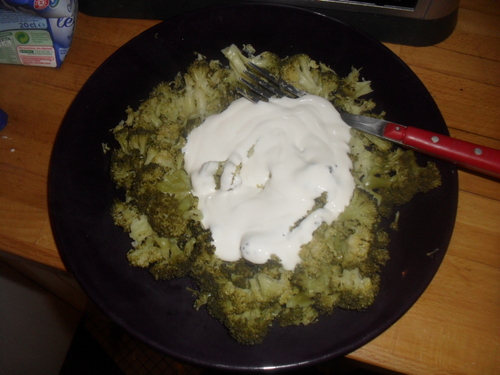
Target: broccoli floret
x,y
124,167
138,139
356,292
377,256
155,182
168,260
175,261
239,286
319,79
267,288
207,89
169,257
350,90
124,214
238,62
298,315
315,286
147,247
350,242
175,107
245,297
390,174
320,251
162,210
357,228
145,253
138,149
357,246
303,73
140,229
247,324
251,326
362,209
306,74
353,87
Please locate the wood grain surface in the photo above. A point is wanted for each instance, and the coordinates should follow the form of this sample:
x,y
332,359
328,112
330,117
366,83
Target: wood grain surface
x,y
454,328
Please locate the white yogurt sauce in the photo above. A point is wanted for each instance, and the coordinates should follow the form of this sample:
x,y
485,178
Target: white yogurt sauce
x,y
278,157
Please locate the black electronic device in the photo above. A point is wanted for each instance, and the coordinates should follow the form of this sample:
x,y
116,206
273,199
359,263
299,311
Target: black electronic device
x,y
409,22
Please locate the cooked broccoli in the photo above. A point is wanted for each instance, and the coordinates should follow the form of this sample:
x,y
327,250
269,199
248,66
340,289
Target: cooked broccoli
x,y
124,214
207,89
299,313
244,299
348,249
319,79
351,89
238,61
175,259
389,173
356,291
339,267
305,74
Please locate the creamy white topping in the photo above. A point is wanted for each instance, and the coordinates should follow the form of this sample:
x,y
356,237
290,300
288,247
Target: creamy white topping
x,y
275,158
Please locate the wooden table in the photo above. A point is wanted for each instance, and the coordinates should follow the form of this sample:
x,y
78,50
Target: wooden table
x,y
454,328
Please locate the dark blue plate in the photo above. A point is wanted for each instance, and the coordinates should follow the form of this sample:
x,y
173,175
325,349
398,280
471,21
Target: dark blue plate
x,y
161,313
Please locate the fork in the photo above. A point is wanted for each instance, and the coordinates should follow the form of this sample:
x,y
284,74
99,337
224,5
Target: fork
x,y
262,86
265,86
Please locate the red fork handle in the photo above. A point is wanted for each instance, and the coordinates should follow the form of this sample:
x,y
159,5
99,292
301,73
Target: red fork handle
x,y
480,158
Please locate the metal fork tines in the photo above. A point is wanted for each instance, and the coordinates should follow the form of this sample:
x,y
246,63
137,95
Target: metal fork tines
x,y
263,85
